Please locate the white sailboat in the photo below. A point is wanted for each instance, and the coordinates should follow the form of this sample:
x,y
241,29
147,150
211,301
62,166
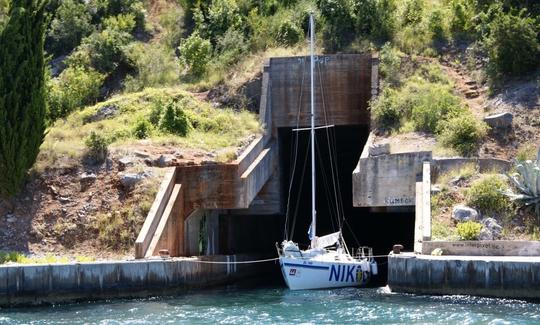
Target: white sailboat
x,y
327,263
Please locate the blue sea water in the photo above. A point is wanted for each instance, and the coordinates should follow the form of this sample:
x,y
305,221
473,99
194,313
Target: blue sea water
x,y
277,305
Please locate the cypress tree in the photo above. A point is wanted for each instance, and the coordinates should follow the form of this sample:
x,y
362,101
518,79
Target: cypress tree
x,y
22,92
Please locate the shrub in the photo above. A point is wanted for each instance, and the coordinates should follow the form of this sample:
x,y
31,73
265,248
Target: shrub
x,y
469,230
134,8
512,45
461,17
526,151
437,26
155,66
289,33
174,120
413,12
74,88
122,23
103,51
385,20
231,47
385,109
338,23
195,53
143,129
463,133
487,195
98,146
434,104
218,18
71,23
390,64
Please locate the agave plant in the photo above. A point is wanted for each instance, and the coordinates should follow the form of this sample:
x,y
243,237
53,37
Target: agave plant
x,y
527,182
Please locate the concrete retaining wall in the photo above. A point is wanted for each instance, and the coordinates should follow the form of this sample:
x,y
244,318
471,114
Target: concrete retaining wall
x,y
37,284
495,276
484,247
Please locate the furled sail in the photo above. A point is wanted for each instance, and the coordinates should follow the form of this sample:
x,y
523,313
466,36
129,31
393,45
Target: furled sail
x,y
328,240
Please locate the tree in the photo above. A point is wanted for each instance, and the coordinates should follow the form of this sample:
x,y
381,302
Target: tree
x,y
22,92
70,25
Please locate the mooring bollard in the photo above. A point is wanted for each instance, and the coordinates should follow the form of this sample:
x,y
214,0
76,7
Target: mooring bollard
x,y
164,253
396,249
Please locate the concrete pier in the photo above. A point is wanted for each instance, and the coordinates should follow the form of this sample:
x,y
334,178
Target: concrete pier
x,y
55,283
492,276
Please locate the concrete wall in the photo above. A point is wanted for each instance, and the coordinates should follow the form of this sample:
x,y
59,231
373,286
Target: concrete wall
x,y
36,284
484,247
343,80
388,180
495,276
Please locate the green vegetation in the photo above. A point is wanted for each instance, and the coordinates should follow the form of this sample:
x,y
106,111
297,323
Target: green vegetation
x,y
469,230
527,183
171,117
463,133
22,92
20,258
97,146
74,88
487,195
425,102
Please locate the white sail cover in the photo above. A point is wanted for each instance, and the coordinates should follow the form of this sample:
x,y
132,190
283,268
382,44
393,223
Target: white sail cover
x,y
328,240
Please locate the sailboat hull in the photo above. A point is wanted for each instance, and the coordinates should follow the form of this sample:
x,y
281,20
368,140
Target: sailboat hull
x,y
302,274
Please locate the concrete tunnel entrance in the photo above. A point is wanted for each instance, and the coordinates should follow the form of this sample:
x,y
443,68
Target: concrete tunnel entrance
x,y
364,227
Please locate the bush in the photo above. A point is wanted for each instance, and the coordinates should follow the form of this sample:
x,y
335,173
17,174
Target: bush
x,y
118,230
463,133
487,195
231,47
218,18
413,12
289,33
122,23
71,23
469,230
195,53
134,8
337,25
512,45
143,129
103,51
385,110
74,88
155,66
437,26
390,64
175,120
434,103
98,146
461,17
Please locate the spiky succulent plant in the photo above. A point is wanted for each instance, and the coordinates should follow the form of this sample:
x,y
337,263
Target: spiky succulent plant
x,y
527,182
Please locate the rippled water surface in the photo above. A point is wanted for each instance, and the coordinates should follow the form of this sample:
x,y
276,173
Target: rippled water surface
x,y
281,306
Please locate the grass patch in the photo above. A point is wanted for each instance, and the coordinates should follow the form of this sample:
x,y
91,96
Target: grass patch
x,y
212,128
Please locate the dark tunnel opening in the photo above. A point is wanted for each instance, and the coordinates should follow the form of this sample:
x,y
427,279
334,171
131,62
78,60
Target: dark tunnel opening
x,y
363,227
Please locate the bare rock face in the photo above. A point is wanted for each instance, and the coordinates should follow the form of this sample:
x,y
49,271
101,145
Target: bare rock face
x,y
464,213
129,180
105,112
500,121
86,180
379,149
124,163
492,226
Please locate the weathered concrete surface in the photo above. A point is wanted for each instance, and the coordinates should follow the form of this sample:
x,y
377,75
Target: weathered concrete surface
x,y
343,80
484,247
37,284
388,180
495,276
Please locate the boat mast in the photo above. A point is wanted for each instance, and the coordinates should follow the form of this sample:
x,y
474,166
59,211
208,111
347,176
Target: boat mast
x,y
313,210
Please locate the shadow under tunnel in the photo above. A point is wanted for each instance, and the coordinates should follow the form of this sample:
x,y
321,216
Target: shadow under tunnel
x,y
363,227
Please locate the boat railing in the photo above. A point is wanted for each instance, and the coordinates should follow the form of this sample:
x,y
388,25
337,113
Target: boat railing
x,y
363,252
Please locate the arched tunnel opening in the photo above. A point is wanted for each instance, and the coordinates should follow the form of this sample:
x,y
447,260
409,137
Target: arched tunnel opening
x,y
378,228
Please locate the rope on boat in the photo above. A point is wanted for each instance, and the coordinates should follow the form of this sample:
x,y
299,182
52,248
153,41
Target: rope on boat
x,y
248,262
